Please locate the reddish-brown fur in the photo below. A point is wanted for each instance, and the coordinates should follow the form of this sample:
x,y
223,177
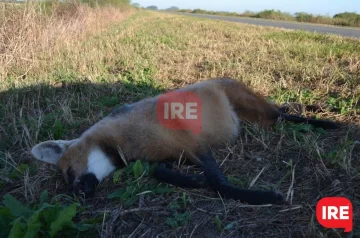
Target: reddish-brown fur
x,y
139,135
248,105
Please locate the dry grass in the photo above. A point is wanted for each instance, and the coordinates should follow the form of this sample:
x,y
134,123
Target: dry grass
x,y
150,52
33,34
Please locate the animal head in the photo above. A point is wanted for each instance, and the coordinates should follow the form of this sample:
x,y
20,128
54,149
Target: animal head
x,y
82,165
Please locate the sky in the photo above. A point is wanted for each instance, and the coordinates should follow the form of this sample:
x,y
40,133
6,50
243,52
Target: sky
x,y
324,7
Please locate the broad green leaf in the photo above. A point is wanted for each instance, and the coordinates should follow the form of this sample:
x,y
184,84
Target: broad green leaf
x,y
130,201
178,219
17,230
34,222
117,176
131,189
138,169
129,170
321,131
5,219
44,197
118,193
15,207
49,215
33,225
65,219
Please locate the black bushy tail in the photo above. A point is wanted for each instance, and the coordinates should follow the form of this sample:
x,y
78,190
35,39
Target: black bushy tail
x,y
316,123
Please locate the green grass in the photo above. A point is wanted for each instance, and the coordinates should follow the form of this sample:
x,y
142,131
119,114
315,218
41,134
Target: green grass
x,y
134,176
147,54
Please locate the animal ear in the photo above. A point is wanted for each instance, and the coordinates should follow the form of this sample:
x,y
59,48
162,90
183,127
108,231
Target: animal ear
x,y
51,151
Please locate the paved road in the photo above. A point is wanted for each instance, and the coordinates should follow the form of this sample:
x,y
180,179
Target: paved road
x,y
343,31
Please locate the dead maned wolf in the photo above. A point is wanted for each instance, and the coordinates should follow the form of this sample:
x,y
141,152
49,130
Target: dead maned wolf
x,y
136,130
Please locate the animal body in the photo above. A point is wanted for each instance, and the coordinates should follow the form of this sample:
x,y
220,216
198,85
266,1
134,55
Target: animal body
x,y
134,132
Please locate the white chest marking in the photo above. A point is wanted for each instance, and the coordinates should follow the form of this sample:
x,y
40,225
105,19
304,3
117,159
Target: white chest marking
x,y
99,164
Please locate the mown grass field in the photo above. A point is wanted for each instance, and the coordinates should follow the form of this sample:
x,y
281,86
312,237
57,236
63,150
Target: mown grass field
x,y
59,96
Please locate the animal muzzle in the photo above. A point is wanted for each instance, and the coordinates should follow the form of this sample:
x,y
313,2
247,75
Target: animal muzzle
x,y
85,185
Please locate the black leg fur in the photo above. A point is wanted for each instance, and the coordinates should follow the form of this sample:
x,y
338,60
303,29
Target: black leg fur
x,y
214,178
218,182
166,175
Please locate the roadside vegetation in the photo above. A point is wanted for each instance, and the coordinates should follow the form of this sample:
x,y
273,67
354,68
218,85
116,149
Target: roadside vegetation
x,y
59,77
34,34
350,19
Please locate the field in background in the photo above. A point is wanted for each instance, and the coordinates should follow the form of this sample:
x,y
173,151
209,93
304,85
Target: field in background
x,y
33,35
145,54
351,19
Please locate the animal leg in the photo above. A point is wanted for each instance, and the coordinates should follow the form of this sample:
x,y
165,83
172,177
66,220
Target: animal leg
x,y
218,182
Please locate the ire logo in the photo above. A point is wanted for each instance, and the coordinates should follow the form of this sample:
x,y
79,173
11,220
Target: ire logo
x,y
335,212
180,111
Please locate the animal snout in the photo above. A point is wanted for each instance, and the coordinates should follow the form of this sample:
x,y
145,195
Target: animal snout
x,y
85,185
